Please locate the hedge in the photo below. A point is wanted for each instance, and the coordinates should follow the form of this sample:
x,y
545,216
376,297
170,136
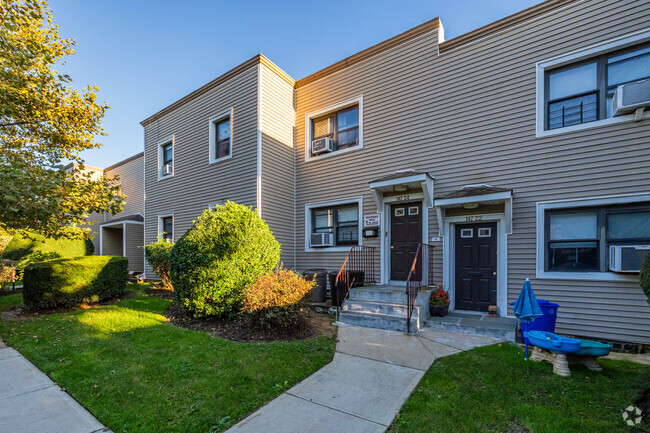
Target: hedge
x,y
73,281
644,276
24,244
219,257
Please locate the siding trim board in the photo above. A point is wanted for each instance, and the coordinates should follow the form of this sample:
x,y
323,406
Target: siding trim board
x,y
604,47
542,207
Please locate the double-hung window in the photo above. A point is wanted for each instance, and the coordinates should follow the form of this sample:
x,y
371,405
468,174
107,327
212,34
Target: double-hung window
x,y
583,92
341,125
577,240
166,159
167,228
220,138
341,221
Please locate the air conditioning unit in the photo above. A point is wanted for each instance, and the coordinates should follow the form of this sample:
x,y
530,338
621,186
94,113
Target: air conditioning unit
x,y
627,258
321,240
167,169
322,145
629,97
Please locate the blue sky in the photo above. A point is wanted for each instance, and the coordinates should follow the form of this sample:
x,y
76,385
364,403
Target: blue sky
x,y
146,54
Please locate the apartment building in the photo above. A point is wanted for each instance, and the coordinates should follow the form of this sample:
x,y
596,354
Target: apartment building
x,y
502,151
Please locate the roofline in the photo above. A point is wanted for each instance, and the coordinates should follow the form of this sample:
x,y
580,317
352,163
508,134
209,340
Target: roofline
x,y
504,23
372,51
124,161
76,164
254,61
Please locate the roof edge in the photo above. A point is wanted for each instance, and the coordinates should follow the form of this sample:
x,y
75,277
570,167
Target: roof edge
x,y
124,161
255,60
371,51
504,23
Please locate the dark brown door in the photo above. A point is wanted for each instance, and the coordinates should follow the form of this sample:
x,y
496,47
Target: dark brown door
x,y
405,235
476,266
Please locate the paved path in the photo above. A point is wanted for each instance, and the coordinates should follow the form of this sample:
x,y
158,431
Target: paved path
x,y
31,402
371,376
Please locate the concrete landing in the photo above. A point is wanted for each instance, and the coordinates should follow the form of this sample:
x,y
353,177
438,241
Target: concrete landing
x,y
475,324
364,387
31,402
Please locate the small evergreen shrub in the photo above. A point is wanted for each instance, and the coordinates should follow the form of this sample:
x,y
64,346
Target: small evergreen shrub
x,y
68,282
214,262
157,255
644,276
273,300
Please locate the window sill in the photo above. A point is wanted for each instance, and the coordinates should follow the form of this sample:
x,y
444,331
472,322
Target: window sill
x,y
335,153
588,276
328,249
214,161
168,176
591,125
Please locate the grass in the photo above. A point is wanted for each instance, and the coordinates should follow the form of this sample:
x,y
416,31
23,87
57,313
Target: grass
x,y
495,389
137,373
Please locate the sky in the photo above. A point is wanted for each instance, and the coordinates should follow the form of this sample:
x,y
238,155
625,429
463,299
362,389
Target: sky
x,y
146,54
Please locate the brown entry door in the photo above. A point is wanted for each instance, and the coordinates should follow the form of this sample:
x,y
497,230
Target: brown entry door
x,y
405,235
476,266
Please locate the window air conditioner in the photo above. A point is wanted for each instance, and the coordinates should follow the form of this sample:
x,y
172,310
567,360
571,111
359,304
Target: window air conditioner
x,y
322,145
627,258
321,240
629,97
167,169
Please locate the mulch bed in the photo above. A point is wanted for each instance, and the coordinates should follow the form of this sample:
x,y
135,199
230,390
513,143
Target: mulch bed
x,y
240,327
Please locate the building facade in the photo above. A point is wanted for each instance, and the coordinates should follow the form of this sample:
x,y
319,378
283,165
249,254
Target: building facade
x,y
501,149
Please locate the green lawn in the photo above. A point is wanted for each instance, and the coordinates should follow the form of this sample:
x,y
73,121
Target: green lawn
x,y
137,373
494,389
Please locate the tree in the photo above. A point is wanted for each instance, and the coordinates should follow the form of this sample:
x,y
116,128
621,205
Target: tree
x,y
44,121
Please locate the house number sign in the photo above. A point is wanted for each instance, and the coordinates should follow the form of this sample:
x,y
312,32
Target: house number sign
x,y
474,218
371,220
403,197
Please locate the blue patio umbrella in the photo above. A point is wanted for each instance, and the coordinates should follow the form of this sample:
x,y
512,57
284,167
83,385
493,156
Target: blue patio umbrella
x,y
526,308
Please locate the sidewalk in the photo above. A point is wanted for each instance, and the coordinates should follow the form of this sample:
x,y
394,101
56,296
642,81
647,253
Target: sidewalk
x,y
364,387
31,402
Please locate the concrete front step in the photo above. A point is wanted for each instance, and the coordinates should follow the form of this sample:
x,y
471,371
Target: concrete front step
x,y
388,294
478,324
378,308
386,322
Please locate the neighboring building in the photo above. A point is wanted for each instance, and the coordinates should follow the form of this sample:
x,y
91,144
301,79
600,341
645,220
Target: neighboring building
x,y
499,148
122,234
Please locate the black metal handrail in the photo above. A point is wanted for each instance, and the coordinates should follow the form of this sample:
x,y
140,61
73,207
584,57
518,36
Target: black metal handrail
x,y
420,274
358,269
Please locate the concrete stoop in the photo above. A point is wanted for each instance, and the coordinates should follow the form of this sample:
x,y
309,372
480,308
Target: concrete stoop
x,y
384,307
475,323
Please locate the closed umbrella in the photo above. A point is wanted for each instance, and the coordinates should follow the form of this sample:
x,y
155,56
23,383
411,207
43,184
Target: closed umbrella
x,y
526,308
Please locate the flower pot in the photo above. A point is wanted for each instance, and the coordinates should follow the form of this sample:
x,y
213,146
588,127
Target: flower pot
x,y
438,310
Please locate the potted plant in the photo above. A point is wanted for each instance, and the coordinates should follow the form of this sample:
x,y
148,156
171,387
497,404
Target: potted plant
x,y
439,302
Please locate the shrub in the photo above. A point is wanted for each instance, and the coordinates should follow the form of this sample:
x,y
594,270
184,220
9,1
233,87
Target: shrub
x,y
7,274
644,276
72,281
273,299
226,250
157,255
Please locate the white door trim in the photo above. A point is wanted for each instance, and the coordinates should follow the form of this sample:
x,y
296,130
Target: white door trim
x,y
385,232
449,267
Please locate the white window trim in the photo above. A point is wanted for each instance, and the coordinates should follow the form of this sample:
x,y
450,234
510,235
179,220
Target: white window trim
x,y
542,207
574,57
213,136
310,206
172,140
160,218
308,137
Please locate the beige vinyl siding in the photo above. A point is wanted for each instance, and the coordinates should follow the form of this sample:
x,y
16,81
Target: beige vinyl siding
x,y
196,184
131,175
277,189
468,116
134,251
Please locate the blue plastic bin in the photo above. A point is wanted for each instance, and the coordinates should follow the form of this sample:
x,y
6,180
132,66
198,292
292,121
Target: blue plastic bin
x,y
546,322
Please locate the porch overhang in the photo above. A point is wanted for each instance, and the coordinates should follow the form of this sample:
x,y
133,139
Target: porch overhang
x,y
475,194
408,180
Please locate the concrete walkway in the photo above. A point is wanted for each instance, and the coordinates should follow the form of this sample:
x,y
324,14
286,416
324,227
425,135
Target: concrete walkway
x,y
31,402
371,376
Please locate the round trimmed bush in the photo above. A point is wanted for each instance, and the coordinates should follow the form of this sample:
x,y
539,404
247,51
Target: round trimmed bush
x,y
644,276
214,262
